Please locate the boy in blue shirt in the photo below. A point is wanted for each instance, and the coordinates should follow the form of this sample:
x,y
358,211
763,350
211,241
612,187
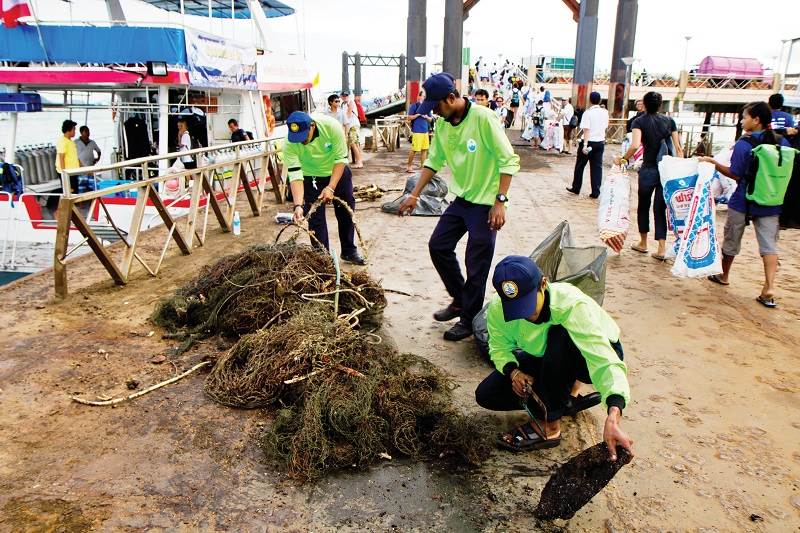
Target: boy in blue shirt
x,y
420,125
756,119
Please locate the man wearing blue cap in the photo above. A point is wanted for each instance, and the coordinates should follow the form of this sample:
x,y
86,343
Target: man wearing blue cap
x,y
544,340
316,157
594,124
468,139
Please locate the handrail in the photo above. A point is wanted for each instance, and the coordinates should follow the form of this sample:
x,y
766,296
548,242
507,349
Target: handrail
x,y
147,194
152,158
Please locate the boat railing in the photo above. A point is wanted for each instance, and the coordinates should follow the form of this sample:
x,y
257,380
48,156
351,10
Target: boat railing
x,y
205,183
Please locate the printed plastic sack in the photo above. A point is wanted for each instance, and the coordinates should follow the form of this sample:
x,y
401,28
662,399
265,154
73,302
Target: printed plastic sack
x,y
431,203
698,254
560,260
678,178
529,130
613,216
636,161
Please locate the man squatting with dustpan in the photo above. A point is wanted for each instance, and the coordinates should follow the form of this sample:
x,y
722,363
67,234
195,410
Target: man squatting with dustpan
x,y
473,144
544,340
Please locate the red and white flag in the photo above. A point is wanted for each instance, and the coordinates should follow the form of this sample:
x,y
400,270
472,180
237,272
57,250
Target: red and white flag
x,y
13,10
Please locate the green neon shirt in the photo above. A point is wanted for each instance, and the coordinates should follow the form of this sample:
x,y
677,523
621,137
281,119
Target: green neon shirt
x,y
477,152
589,326
317,158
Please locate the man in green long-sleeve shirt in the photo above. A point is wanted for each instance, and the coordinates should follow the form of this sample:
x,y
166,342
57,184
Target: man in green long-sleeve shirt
x,y
550,338
316,158
472,143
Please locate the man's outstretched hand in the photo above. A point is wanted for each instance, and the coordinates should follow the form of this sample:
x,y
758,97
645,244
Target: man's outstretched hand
x,y
407,206
613,435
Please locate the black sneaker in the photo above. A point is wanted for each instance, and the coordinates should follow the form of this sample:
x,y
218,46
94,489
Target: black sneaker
x,y
354,258
447,314
458,332
570,189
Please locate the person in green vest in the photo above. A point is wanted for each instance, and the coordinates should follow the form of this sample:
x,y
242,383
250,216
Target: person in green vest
x,y
545,341
473,144
316,158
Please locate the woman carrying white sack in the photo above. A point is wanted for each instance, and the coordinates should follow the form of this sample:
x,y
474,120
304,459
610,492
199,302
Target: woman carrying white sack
x,y
654,131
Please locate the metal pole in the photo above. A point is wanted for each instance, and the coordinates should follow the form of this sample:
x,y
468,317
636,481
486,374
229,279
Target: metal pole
x,y
163,125
624,36
357,75
686,53
627,92
401,61
11,145
345,73
453,38
416,46
586,42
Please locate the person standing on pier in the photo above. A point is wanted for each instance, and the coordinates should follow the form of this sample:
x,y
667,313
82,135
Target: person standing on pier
x,y
472,142
67,153
594,124
316,159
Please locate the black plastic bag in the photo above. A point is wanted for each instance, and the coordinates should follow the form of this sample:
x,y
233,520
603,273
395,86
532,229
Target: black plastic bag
x,y
431,203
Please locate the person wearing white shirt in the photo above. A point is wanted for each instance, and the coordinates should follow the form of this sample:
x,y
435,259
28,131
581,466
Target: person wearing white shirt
x,y
568,113
594,124
351,126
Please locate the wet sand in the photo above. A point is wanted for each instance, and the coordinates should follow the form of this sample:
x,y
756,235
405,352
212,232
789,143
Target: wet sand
x,y
714,376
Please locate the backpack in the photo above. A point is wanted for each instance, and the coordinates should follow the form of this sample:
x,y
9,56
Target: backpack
x,y
10,180
515,98
769,173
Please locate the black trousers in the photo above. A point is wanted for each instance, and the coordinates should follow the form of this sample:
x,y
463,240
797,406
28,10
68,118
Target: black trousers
x,y
595,161
553,374
649,183
473,219
312,188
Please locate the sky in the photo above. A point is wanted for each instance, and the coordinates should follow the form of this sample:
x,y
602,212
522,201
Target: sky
x,y
717,27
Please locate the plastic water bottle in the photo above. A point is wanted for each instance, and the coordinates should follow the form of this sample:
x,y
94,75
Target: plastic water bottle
x,y
237,224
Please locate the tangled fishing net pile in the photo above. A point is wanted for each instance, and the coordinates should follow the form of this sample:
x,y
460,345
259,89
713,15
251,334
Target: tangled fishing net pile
x,y
341,396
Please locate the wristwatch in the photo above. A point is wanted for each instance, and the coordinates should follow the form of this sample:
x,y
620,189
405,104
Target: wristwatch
x,y
502,198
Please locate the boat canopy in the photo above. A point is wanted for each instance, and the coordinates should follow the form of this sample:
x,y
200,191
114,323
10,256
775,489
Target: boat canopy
x,y
240,9
730,66
93,44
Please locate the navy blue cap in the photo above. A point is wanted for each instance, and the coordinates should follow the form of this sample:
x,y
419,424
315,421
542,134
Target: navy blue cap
x,y
594,95
516,279
298,123
437,87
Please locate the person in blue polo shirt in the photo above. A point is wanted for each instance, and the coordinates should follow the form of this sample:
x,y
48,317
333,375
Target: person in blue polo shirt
x,y
782,122
316,157
420,126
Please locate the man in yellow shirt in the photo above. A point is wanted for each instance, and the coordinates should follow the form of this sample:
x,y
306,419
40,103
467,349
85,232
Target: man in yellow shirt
x,y
67,153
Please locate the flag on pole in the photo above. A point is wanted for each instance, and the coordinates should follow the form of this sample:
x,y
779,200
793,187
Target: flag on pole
x,y
313,83
13,10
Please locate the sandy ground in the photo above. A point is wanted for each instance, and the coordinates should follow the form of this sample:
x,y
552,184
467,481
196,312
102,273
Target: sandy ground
x,y
714,377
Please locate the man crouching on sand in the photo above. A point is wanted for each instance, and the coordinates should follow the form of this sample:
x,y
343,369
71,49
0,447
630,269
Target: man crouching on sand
x,y
544,340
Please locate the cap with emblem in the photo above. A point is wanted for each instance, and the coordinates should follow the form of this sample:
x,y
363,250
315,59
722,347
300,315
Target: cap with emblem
x,y
437,88
516,279
298,123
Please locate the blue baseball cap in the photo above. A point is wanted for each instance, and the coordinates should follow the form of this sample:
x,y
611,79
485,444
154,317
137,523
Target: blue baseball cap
x,y
516,279
298,123
436,87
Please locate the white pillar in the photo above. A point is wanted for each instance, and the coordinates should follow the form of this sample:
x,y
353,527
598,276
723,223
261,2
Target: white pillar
x,y
163,125
11,144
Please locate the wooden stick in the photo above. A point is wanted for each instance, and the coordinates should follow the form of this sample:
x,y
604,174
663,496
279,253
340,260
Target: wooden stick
x,y
142,392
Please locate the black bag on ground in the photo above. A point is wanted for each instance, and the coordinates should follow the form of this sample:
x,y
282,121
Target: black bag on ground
x,y
562,261
432,201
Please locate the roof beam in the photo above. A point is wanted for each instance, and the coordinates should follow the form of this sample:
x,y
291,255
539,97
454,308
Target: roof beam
x,y
573,6
469,4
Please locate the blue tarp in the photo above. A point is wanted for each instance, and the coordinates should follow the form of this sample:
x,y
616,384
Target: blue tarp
x,y
89,44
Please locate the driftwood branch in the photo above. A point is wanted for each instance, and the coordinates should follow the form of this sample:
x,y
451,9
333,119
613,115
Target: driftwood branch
x,y
141,392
